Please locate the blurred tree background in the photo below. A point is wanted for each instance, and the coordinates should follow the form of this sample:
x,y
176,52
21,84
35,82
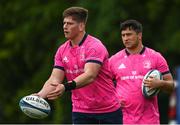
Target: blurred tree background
x,y
31,31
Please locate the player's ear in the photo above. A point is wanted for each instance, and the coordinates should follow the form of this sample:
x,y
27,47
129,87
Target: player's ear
x,y
140,35
81,26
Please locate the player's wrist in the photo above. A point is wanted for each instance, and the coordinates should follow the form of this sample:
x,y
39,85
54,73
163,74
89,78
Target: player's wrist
x,y
71,85
41,94
161,84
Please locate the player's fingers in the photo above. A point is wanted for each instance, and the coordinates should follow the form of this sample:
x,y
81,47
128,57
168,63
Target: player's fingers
x,y
54,94
122,103
54,84
147,82
35,94
150,89
151,77
52,98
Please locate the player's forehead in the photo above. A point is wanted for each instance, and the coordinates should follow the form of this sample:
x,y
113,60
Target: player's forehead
x,y
128,31
69,19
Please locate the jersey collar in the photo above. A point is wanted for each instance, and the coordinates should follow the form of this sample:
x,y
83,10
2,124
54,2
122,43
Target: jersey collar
x,y
142,51
82,41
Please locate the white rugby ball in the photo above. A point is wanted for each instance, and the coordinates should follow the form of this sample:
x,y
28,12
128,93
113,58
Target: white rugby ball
x,y
35,107
147,92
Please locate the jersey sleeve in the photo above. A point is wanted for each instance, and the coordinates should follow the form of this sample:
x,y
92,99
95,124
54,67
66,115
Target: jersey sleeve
x,y
58,59
97,53
110,66
162,65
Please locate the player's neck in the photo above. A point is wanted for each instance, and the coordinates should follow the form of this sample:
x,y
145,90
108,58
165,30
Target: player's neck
x,y
136,50
77,39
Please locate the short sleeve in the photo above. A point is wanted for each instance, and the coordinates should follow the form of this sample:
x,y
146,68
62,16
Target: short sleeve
x,y
162,65
110,66
58,60
96,53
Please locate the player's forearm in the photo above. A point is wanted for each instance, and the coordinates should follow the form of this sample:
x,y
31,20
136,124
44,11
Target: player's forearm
x,y
42,92
167,86
45,89
84,79
90,73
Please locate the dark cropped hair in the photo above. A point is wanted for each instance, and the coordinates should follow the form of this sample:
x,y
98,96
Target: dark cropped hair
x,y
78,13
132,25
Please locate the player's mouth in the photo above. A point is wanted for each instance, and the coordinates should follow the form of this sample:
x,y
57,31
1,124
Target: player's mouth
x,y
127,43
66,32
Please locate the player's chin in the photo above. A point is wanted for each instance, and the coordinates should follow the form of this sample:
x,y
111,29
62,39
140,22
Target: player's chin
x,y
67,35
128,46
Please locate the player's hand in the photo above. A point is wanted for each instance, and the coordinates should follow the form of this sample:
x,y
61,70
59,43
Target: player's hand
x,y
152,82
35,94
57,92
122,103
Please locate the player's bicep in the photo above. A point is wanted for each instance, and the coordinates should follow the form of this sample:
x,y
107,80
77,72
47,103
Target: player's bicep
x,y
92,68
168,77
57,75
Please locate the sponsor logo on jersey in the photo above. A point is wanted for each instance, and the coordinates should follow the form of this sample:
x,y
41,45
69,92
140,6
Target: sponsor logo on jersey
x,y
147,64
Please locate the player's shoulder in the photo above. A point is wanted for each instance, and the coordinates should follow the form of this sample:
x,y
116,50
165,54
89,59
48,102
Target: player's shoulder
x,y
152,52
93,38
94,42
66,43
118,56
63,47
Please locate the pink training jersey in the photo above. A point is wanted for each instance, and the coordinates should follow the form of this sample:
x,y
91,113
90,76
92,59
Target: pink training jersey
x,y
100,95
129,70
